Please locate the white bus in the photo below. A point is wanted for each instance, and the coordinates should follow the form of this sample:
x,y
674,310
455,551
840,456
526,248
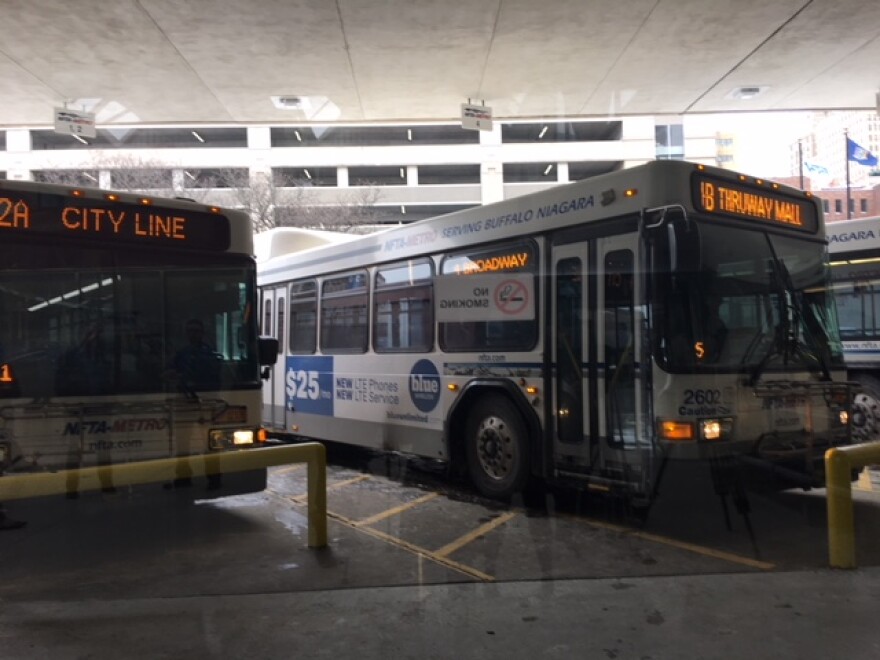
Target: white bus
x,y
128,332
569,334
854,247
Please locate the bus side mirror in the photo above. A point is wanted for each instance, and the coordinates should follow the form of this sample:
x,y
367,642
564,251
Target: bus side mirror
x,y
267,351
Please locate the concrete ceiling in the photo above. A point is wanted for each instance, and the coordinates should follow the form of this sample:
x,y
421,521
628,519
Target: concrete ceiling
x,y
221,61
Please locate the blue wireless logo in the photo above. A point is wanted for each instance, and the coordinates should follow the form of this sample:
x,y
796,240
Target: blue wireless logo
x,y
424,385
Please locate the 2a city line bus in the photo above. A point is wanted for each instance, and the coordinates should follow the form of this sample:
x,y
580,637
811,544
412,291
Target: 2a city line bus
x,y
854,249
570,334
127,332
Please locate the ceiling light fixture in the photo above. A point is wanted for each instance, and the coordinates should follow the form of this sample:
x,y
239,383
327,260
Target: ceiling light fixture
x,y
747,92
541,134
287,102
77,137
299,138
547,169
197,136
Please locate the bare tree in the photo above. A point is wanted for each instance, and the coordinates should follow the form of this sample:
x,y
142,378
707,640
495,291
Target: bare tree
x,y
268,203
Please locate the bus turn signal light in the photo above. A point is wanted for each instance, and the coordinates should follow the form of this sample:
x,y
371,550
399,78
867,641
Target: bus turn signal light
x,y
676,431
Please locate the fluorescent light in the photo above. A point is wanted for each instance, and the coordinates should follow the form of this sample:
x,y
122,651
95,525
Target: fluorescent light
x,y
747,92
77,137
308,176
298,136
541,134
197,136
89,176
409,134
189,175
402,173
403,209
547,169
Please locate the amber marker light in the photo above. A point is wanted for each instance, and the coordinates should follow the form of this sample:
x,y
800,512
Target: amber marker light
x,y
216,209
262,435
113,198
452,387
630,192
77,193
145,201
676,431
531,389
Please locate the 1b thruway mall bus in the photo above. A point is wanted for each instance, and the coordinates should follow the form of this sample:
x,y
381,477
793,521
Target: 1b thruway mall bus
x,y
102,295
584,334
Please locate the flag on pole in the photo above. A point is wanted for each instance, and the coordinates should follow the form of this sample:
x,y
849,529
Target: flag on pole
x,y
814,168
859,154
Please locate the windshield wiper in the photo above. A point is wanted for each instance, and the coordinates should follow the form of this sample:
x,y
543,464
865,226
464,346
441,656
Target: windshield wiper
x,y
793,317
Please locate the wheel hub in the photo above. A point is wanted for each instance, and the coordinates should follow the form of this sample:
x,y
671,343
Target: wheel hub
x,y
865,417
493,448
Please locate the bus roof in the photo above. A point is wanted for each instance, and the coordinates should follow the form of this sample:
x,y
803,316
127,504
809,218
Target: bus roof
x,y
622,193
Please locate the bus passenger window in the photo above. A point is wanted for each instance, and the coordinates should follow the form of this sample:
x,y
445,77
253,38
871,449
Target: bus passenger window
x,y
303,317
403,308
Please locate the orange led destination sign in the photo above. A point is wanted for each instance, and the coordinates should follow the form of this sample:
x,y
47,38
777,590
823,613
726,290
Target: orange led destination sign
x,y
29,213
739,200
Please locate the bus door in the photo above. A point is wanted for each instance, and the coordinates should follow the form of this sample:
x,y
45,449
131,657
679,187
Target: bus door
x,y
273,324
571,382
622,369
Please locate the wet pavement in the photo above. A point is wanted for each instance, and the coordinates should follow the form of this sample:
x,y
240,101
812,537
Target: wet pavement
x,y
403,538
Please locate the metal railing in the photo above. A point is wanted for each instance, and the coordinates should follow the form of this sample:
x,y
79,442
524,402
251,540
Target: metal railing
x,y
839,464
38,484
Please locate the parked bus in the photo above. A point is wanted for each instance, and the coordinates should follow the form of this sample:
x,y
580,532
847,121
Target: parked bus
x,y
854,247
127,332
583,335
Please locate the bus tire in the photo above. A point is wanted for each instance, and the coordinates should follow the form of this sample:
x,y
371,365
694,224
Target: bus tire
x,y
866,409
496,447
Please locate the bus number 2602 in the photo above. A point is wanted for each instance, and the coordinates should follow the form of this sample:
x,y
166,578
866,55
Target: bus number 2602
x,y
303,385
700,397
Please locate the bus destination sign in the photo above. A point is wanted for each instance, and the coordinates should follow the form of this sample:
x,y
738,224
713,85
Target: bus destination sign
x,y
30,213
717,196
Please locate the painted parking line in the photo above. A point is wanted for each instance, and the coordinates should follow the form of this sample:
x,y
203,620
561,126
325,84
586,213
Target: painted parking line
x,y
414,549
302,499
681,545
482,530
397,510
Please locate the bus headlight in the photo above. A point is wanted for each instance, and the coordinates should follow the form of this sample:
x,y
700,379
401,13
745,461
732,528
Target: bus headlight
x,y
844,417
715,429
225,438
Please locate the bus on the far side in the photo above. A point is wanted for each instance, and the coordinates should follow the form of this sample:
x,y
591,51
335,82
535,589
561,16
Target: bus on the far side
x,y
583,335
128,332
854,247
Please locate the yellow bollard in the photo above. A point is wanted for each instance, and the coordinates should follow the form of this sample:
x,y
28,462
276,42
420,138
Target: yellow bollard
x,y
26,485
841,530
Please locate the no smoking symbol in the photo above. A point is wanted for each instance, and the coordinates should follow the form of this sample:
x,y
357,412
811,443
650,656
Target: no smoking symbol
x,y
511,297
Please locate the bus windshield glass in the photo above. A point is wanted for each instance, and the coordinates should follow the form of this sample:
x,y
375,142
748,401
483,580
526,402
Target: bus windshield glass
x,y
728,300
90,322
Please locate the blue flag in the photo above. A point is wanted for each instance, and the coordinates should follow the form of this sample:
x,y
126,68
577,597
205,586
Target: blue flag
x,y
859,154
814,168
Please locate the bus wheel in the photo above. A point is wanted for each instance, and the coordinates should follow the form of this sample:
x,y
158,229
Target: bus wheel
x,y
497,447
866,410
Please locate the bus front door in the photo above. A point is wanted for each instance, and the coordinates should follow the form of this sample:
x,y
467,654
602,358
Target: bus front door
x,y
273,325
571,383
623,426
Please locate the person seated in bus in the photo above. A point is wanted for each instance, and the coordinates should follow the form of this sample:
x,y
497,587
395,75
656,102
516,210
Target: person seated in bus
x,y
197,365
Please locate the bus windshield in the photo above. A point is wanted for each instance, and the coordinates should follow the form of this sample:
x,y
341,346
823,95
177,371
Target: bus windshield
x,y
100,323
728,300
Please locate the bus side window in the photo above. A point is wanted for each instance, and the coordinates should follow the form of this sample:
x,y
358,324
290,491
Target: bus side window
x,y
267,317
303,326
